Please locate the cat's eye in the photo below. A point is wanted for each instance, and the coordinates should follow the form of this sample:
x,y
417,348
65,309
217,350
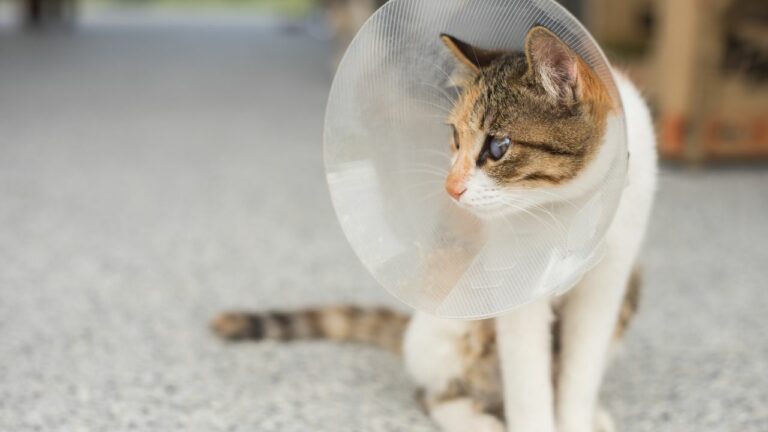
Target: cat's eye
x,y
497,146
455,137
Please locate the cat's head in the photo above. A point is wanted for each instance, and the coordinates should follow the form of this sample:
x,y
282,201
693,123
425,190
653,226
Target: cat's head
x,y
525,126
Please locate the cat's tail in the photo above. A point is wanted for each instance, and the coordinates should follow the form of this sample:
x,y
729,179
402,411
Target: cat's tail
x,y
376,326
630,304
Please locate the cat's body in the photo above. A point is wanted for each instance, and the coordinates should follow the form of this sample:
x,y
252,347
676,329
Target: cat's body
x,y
457,363
537,368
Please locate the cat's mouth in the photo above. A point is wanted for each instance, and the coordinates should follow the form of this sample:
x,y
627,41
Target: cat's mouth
x,y
497,202
482,197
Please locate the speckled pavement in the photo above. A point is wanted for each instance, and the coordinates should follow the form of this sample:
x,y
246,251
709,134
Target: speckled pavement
x,y
151,176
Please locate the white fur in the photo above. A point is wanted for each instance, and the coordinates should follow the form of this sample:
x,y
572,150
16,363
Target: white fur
x,y
589,311
431,351
525,351
461,415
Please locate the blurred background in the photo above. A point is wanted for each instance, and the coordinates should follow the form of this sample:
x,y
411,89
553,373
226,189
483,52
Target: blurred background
x,y
160,161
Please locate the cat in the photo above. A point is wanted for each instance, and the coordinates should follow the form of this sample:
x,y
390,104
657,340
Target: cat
x,y
530,120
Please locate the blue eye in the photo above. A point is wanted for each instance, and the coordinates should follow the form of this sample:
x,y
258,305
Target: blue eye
x,y
498,146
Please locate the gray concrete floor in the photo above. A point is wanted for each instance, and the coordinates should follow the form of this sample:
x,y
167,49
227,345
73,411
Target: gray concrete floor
x,y
153,175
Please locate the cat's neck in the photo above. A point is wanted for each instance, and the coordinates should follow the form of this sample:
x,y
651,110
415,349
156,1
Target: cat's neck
x,y
601,168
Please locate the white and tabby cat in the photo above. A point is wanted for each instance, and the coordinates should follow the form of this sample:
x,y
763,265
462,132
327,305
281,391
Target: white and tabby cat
x,y
531,120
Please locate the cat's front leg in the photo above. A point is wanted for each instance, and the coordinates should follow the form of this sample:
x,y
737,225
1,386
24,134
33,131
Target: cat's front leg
x,y
588,320
525,352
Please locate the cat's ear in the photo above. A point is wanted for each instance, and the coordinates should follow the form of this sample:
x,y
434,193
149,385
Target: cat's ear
x,y
554,66
560,71
472,57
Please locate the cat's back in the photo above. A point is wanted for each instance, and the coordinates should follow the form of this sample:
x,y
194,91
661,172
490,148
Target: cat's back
x,y
628,228
641,136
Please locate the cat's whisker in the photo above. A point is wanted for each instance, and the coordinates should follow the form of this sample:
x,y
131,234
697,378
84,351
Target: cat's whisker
x,y
444,110
428,196
540,220
440,164
447,77
443,118
528,212
427,170
430,183
437,174
442,92
559,197
428,165
532,190
441,171
511,223
550,214
555,220
448,161
430,150
435,152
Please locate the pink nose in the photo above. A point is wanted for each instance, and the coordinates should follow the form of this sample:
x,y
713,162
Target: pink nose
x,y
455,190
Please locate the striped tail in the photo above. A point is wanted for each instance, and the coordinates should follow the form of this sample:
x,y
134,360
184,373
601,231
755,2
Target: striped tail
x,y
630,304
376,326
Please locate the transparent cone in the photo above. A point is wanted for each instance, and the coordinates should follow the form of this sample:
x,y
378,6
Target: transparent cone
x,y
386,154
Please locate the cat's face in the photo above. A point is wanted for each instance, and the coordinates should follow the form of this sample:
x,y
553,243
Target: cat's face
x,y
525,124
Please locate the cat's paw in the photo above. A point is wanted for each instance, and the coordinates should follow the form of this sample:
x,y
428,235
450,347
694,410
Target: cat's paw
x,y
462,415
488,423
604,421
232,325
